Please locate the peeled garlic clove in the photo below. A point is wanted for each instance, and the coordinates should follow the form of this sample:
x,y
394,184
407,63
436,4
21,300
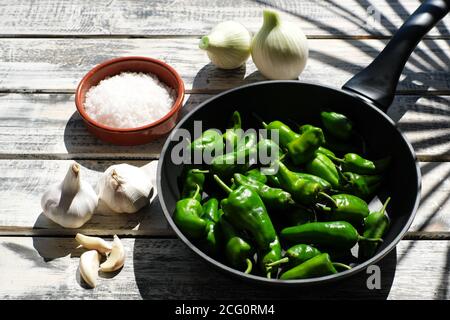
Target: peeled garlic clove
x,y
93,243
116,258
70,203
125,188
89,264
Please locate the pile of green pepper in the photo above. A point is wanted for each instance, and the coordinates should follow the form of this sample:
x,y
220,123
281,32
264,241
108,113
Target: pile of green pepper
x,y
288,223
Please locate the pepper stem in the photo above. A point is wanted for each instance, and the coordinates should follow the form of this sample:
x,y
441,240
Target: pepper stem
x,y
323,208
249,265
335,158
341,265
199,171
222,184
385,204
236,122
278,262
197,191
323,194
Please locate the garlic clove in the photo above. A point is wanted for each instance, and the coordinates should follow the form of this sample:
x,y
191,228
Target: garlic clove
x,y
125,188
116,258
70,203
89,264
93,243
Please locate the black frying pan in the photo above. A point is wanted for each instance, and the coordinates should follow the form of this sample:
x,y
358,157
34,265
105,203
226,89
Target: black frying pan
x,y
364,99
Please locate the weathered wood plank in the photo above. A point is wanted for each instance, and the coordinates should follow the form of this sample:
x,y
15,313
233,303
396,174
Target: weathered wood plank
x,y
175,17
22,183
56,65
46,268
48,126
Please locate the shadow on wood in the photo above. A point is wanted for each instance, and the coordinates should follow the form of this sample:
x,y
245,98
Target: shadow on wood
x,y
81,145
50,248
167,269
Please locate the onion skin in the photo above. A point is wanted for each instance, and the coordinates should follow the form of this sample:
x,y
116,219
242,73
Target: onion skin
x,y
279,49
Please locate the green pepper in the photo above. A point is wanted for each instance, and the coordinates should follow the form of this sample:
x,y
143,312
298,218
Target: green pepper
x,y
306,127
266,147
302,190
353,162
334,234
285,133
256,174
347,207
247,143
324,168
211,215
375,226
337,124
326,152
210,141
273,198
303,149
362,186
323,183
238,161
232,134
317,266
246,211
300,253
188,216
238,252
296,255
211,210
192,179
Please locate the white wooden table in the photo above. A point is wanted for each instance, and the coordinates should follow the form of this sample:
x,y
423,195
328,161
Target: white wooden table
x,y
46,47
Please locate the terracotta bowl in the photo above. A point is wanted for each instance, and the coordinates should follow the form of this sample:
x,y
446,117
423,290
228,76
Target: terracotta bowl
x,y
138,135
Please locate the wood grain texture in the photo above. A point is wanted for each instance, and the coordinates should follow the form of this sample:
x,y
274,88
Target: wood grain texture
x,y
48,126
179,17
57,65
46,268
23,182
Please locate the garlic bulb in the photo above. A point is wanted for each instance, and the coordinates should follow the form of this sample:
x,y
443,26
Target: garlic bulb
x,y
279,49
124,188
228,45
70,203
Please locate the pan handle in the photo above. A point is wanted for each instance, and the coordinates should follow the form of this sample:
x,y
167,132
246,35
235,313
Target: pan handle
x,y
378,81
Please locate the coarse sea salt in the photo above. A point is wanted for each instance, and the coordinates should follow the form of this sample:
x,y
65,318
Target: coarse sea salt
x,y
129,100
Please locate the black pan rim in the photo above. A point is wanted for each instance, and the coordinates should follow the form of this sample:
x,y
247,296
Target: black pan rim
x,y
290,283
